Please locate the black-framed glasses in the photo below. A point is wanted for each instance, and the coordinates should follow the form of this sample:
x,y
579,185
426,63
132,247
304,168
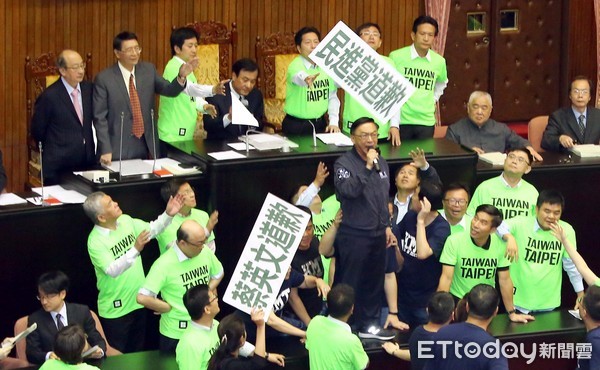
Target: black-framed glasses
x,y
46,297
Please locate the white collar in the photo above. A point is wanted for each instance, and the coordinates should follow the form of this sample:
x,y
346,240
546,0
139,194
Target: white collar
x,y
341,323
415,55
507,184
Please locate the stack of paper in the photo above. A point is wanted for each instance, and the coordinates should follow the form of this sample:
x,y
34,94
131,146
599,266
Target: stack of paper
x,y
586,150
61,194
336,138
495,158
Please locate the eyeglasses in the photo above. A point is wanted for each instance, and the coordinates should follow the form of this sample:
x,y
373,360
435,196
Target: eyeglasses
x,y
198,244
513,157
77,66
581,91
454,202
369,33
132,50
365,136
46,297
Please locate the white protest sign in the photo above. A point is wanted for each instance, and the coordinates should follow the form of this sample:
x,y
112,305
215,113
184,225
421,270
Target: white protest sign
x,y
240,115
362,72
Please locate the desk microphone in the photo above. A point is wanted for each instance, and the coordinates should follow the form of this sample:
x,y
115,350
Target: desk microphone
x,y
121,148
375,161
43,202
153,139
248,131
314,133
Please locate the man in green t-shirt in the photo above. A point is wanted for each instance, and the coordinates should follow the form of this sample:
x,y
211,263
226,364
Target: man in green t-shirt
x,y
310,93
200,340
353,110
180,268
455,201
114,246
426,70
475,257
188,211
177,115
329,340
537,273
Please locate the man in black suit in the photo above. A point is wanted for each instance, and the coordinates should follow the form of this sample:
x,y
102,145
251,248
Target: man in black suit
x,y
56,314
243,79
127,89
577,124
62,120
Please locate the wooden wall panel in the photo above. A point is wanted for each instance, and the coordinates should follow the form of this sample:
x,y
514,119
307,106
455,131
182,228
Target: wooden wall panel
x,y
32,27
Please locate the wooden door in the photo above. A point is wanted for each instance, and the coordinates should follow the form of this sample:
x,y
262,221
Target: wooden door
x,y
510,48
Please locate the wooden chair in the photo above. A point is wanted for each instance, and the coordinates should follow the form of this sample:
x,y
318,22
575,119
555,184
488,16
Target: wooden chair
x,y
110,351
21,347
40,73
535,131
273,55
217,51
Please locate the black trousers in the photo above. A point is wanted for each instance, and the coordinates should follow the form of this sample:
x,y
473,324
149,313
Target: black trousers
x,y
408,132
126,333
298,126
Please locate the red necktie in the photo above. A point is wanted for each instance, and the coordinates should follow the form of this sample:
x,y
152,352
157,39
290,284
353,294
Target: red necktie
x,y
138,121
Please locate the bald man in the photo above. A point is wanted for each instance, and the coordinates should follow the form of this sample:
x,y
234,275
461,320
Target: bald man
x,y
62,119
180,268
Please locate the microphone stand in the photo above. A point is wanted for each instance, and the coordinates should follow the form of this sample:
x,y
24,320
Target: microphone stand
x,y
43,202
153,139
314,134
121,148
249,130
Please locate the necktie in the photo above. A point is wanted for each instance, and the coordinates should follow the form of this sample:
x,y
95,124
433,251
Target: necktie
x,y
581,125
59,323
138,121
75,95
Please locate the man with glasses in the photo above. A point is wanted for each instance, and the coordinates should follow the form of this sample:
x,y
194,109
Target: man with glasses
x,y
577,124
124,102
56,314
362,186
483,134
183,266
188,211
455,202
371,34
62,120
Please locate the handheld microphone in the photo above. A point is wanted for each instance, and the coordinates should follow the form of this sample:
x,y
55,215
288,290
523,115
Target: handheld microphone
x,y
153,139
375,161
121,148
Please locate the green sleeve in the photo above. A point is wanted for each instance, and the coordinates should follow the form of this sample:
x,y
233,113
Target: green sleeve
x,y
449,256
156,277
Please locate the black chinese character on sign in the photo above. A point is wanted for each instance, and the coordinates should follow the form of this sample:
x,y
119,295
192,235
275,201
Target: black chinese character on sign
x,y
258,276
249,296
333,48
347,61
357,78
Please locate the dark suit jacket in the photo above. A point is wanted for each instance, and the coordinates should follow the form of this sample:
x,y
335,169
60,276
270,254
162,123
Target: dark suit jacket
x,y
41,341
111,98
56,125
2,174
563,122
214,126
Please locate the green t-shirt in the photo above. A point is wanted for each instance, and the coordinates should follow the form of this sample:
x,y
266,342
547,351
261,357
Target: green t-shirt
x,y
472,264
305,103
353,110
172,278
177,116
537,274
196,346
331,346
169,234
463,225
419,109
59,365
117,295
321,223
510,201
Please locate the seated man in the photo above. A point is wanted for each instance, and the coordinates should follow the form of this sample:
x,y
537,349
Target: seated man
x,y
330,341
537,274
577,124
476,257
69,344
56,314
590,314
455,201
440,310
114,245
310,93
482,307
181,267
168,237
483,134
244,75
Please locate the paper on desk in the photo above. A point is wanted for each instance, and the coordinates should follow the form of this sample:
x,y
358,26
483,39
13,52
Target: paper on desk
x,y
495,158
227,154
240,146
60,193
11,198
130,167
240,115
172,166
335,138
575,314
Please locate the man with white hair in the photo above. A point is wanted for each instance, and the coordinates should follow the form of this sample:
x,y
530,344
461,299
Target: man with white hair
x,y
482,134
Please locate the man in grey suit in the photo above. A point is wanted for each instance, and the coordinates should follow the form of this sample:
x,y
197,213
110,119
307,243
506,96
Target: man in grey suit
x,y
577,124
127,90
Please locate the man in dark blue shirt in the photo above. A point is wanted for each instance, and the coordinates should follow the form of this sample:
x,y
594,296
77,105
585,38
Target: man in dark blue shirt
x,y
590,314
